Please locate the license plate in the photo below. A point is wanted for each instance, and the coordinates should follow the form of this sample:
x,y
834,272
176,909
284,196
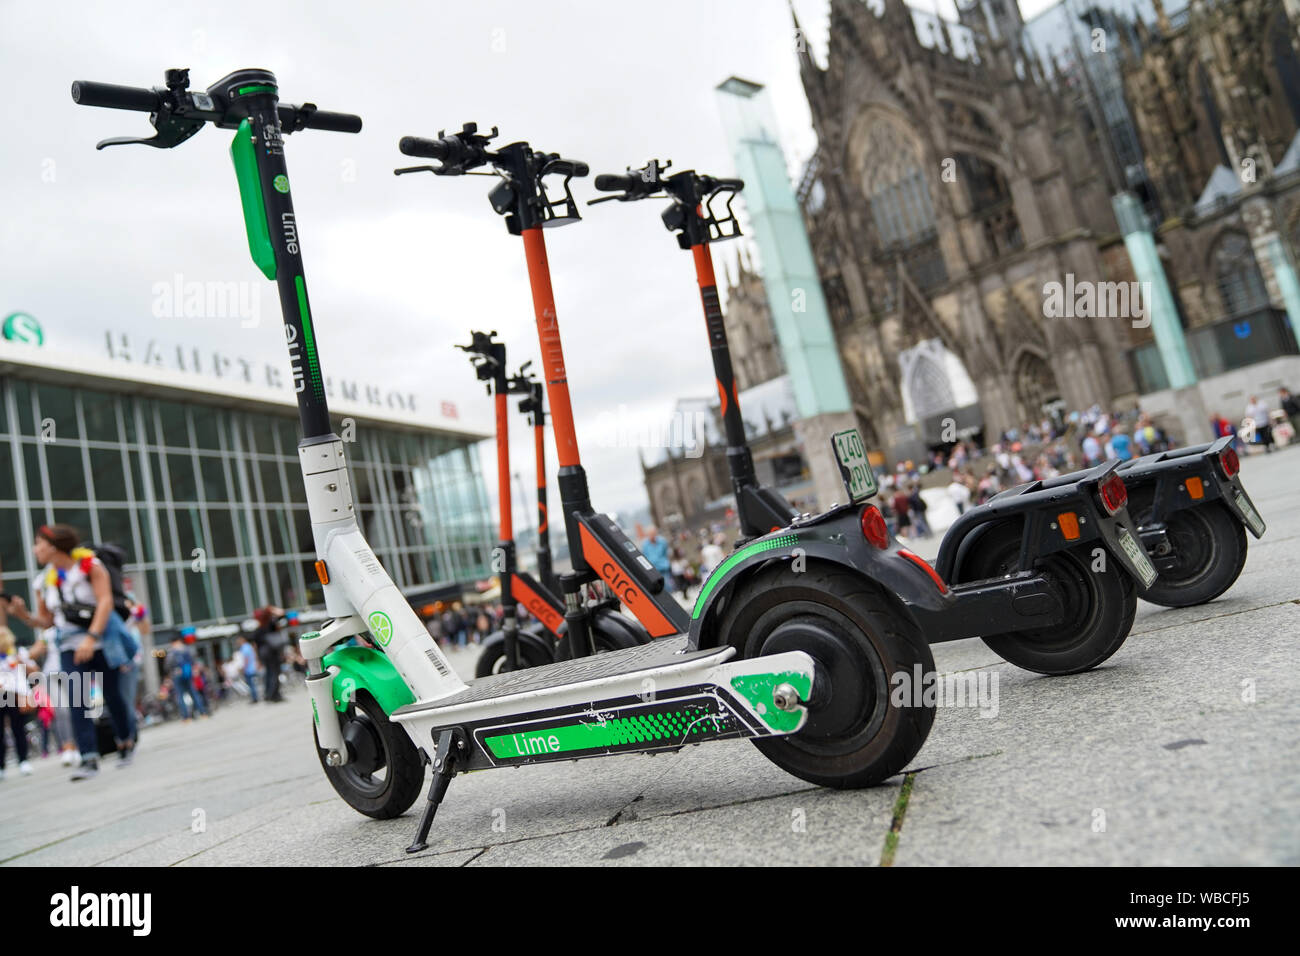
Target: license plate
x,y
855,471
1141,563
1248,512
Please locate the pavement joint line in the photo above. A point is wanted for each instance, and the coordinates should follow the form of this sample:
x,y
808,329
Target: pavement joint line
x,y
957,760
475,856
70,836
125,816
896,826
656,816
228,839
1219,617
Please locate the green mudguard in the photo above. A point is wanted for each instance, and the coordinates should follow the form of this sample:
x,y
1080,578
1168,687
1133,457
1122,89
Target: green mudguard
x,y
364,668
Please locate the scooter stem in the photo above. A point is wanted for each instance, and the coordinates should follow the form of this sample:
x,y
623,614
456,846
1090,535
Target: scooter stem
x,y
356,586
548,334
503,466
740,459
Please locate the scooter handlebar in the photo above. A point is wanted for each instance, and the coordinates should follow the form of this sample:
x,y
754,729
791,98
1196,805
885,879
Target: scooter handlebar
x,y
566,167
713,183
612,183
324,119
425,148
113,96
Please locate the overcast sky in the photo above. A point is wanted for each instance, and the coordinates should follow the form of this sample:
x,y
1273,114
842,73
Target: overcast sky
x,y
399,268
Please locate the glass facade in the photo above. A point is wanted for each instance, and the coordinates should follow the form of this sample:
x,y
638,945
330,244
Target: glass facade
x,y
209,501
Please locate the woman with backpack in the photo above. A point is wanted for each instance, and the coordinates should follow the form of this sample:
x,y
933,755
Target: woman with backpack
x,y
74,596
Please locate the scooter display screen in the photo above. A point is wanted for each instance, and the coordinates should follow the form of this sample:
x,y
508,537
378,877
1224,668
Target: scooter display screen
x,y
855,471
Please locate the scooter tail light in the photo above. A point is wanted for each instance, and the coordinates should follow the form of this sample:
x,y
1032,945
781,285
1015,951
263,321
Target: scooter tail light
x,y
1113,494
873,527
1229,463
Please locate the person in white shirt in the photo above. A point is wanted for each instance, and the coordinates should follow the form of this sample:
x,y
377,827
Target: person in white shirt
x,y
1258,412
959,493
711,554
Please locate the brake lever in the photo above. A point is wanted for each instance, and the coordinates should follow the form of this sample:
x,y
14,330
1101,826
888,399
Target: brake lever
x,y
169,130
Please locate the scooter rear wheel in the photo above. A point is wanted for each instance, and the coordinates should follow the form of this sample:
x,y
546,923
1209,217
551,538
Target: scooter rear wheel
x,y
1209,551
386,773
857,734
1099,605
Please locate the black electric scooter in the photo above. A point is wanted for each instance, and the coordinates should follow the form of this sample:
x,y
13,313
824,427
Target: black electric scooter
x,y
1054,612
541,640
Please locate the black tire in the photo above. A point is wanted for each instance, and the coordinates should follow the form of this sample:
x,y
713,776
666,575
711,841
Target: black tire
x,y
1209,550
379,745
534,646
615,631
860,639
1099,605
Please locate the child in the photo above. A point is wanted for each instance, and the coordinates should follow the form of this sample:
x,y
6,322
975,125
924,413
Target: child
x,y
15,699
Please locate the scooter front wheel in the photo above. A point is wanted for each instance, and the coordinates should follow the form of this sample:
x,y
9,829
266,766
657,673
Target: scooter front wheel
x,y
535,647
1208,550
386,772
1100,600
860,729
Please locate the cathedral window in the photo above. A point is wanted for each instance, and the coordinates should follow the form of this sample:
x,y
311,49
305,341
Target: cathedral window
x,y
896,188
1240,284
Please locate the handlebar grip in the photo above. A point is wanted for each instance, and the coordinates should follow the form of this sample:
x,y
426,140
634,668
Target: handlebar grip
x,y
88,93
568,167
334,122
733,184
612,183
427,148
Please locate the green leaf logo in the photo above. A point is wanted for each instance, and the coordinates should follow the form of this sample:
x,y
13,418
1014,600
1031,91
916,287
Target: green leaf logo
x,y
281,183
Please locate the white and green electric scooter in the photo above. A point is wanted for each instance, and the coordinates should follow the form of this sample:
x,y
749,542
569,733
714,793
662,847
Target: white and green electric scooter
x,y
816,696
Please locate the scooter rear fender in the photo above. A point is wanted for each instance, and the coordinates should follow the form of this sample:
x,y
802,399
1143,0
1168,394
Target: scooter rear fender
x,y
1167,472
1040,505
835,537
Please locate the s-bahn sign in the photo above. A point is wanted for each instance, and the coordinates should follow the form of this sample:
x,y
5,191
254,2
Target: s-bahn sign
x,y
22,328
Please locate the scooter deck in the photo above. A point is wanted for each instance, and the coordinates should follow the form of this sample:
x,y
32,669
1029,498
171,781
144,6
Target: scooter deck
x,y
659,696
533,680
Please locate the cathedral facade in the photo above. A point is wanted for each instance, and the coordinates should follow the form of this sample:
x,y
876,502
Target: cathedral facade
x,y
961,173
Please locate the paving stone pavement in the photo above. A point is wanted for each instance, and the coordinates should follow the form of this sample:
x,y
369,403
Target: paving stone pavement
x,y
1179,750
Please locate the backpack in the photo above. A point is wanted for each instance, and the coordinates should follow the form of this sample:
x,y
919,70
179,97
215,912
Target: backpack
x,y
113,558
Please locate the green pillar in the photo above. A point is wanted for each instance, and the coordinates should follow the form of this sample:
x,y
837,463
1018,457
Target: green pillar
x,y
1287,284
1168,331
794,292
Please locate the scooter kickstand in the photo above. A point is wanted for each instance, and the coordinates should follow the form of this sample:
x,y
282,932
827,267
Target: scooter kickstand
x,y
450,744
